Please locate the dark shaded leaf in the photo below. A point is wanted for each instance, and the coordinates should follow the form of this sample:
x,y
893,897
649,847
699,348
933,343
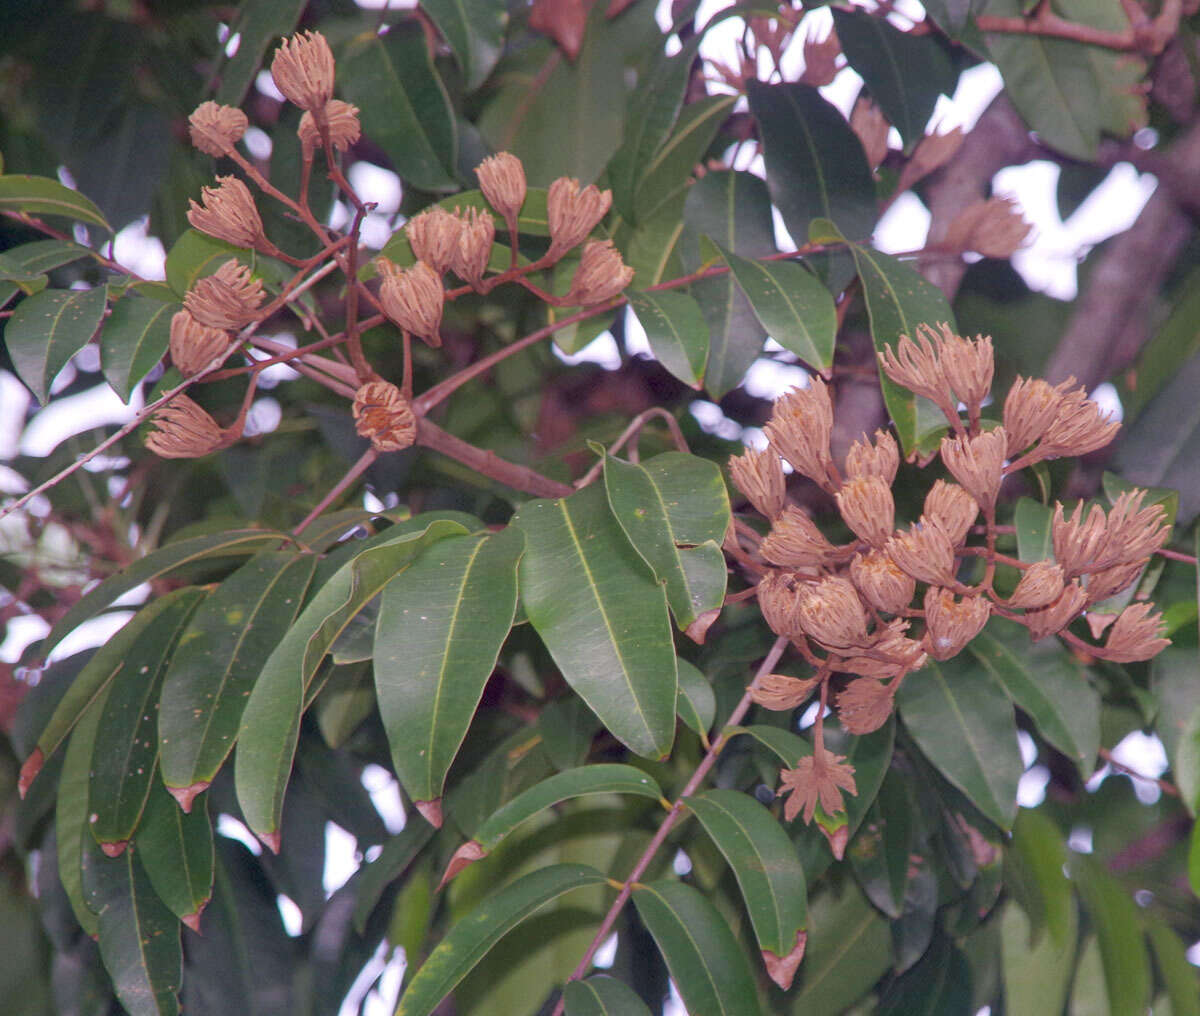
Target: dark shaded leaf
x,y
474,30
601,995
133,340
1119,933
697,705
47,329
259,23
39,195
176,849
677,332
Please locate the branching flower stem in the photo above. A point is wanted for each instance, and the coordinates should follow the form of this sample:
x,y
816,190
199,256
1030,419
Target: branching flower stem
x,y
674,815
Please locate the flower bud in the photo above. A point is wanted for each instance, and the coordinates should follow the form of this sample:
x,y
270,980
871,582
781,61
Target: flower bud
x,y
832,613
433,236
1136,635
881,582
759,475
215,129
228,212
383,415
502,180
795,541
951,623
949,507
413,298
880,459
799,430
778,595
226,299
185,431
303,70
341,121
924,552
868,509
601,274
573,213
474,248
1055,617
193,345
977,462
1040,586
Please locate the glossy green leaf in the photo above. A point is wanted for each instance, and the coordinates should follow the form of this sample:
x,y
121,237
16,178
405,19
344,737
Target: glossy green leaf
x,y
1178,974
939,983
898,300
258,23
1036,970
1035,869
217,661
474,30
271,720
677,332
71,812
815,163
792,305
880,853
602,778
697,704
176,849
1119,933
403,104
473,936
231,543
47,329
1176,694
133,340
195,255
43,256
39,195
1048,684
1186,763
905,72
656,517
601,995
347,699
125,755
1032,521
440,629
764,862
964,724
705,960
602,615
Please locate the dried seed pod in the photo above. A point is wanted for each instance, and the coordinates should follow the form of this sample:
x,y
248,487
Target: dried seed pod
x,y
882,582
341,120
228,212
1054,618
193,345
573,213
977,462
1134,532
832,613
1079,426
601,274
433,236
413,298
868,122
384,416
816,777
1110,581
865,705
227,299
1029,408
1079,540
820,59
969,365
890,653
867,507
950,508
880,459
799,430
216,129
502,180
916,365
303,71
779,600
759,475
924,552
950,623
185,431
474,248
795,541
995,228
1040,586
780,692
1136,635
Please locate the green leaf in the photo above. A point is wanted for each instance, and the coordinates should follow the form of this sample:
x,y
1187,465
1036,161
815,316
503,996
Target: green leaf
x,y
139,936
764,862
42,256
1177,972
441,625
473,936
815,163
697,705
602,615
791,304
904,72
403,104
39,195
1037,971
880,853
965,726
271,720
898,300
124,759
47,329
176,848
1186,763
705,960
233,542
677,332
195,255
258,23
1193,859
1036,873
133,340
665,520
397,854
1176,694
474,29
214,667
601,995
1046,682
1032,521
1118,926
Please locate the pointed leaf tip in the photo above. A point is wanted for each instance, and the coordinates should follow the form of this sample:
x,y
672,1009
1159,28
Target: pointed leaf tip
x,y
698,629
781,969
838,838
273,841
186,796
432,811
193,921
114,848
467,854
29,771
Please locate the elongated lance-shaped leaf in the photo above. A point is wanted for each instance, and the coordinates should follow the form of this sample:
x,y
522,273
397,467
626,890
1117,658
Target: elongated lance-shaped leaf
x,y
706,963
271,720
1118,925
601,995
677,333
215,665
176,849
767,870
791,303
39,195
474,30
47,329
397,854
880,853
133,340
473,936
125,755
257,25
1178,974
602,615
645,514
441,625
233,543
139,936
697,704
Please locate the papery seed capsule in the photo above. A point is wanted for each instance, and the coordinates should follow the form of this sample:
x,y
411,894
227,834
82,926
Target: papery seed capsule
x,y
227,299
185,431
1040,586
799,430
573,212
951,623
832,613
303,70
384,416
759,475
193,345
413,299
950,508
502,180
882,582
216,129
867,507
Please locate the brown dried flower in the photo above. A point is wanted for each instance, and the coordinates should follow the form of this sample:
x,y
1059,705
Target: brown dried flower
x,y
916,365
951,623
502,180
949,507
799,430
969,365
759,475
995,228
890,653
341,120
867,507
779,600
924,551
880,459
303,71
1029,408
977,462
227,299
573,212
1079,426
820,59
601,274
433,236
865,705
932,152
816,777
474,246
832,613
193,345
1054,618
185,431
413,298
1134,532
795,541
1136,635
1110,581
215,129
780,692
871,126
881,581
1040,586
228,212
383,415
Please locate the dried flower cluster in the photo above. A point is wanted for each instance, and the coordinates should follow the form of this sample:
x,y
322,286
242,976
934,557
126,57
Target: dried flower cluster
x,y
857,609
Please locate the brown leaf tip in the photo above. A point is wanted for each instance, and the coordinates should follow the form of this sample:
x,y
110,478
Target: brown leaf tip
x,y
186,796
114,848
431,811
273,840
782,969
33,766
466,855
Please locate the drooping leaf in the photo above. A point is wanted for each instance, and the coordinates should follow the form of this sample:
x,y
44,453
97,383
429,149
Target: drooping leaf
x,y
815,163
602,615
474,935
258,24
217,661
697,704
474,30
133,340
677,332
1119,933
271,720
1037,971
176,849
940,982
965,726
705,960
397,854
601,995
1178,974
47,329
440,629
39,195
1036,874
764,862
792,305
880,853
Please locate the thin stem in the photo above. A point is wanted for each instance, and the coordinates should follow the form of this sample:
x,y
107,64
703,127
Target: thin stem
x,y
356,470
430,435
767,666
635,426
1164,785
